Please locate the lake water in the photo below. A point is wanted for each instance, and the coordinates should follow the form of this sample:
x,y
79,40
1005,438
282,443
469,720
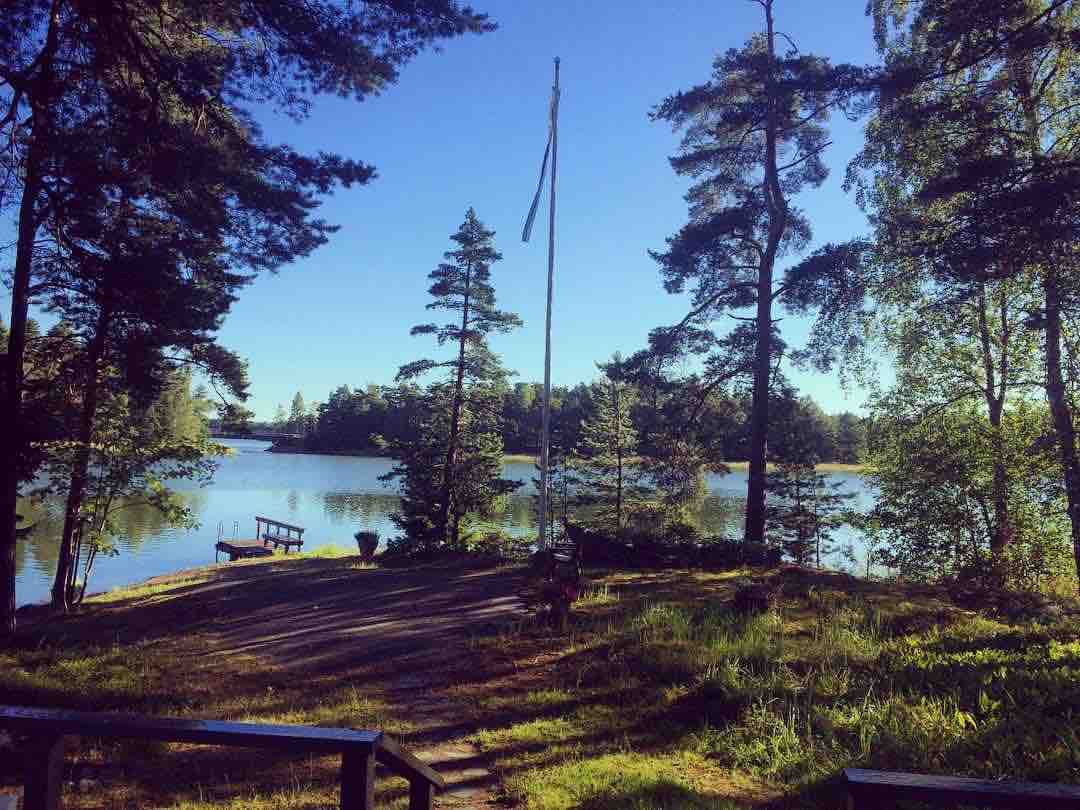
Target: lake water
x,y
330,496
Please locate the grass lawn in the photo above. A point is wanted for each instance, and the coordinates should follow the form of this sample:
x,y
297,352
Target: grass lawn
x,y
656,697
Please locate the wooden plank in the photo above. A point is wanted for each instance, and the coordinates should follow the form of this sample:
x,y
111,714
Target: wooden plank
x,y
243,548
421,794
283,541
43,766
261,519
209,732
402,763
870,788
357,780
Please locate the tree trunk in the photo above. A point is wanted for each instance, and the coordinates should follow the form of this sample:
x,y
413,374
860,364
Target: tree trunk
x,y
619,457
994,392
61,593
759,408
11,415
455,420
1059,407
1056,394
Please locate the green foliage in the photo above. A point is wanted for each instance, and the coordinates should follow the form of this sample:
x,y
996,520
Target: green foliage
x,y
476,484
134,454
155,196
235,419
607,477
934,513
298,414
804,511
365,420
462,286
470,443
973,162
753,137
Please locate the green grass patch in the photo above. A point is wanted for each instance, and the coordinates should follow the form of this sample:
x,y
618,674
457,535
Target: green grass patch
x,y
658,695
783,701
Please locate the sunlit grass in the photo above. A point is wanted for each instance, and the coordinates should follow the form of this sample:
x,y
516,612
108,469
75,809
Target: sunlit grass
x,y
144,591
657,695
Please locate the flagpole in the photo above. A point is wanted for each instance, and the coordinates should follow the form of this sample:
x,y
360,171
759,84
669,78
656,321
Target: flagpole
x,y
545,436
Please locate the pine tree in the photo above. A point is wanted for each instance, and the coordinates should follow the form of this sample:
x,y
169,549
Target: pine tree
x,y
462,285
803,510
754,137
477,484
178,119
605,457
298,414
281,419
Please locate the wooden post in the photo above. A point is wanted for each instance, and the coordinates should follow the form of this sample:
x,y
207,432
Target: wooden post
x,y
357,779
421,794
43,766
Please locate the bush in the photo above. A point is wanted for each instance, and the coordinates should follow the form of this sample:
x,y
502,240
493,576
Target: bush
x,y
598,548
723,553
367,541
501,545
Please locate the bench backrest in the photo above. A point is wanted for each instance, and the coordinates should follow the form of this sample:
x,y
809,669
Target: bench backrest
x,y
360,749
878,788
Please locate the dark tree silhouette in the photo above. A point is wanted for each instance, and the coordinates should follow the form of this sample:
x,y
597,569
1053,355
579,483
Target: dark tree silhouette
x,y
180,81
753,137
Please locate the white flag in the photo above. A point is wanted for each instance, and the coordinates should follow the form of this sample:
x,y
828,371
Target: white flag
x,y
553,110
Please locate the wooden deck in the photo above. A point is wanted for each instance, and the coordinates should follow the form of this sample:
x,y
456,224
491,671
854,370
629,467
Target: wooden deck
x,y
267,531
243,549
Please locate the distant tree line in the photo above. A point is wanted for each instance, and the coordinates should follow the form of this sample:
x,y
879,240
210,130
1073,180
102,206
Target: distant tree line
x,y
373,418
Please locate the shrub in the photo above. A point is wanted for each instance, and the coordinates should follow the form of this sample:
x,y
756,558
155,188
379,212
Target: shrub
x,y
596,547
501,545
724,554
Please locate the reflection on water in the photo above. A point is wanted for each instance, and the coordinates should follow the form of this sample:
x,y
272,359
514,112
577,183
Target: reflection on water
x,y
331,496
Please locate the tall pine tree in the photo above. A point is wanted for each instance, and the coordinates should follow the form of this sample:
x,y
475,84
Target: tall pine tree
x,y
754,137
462,285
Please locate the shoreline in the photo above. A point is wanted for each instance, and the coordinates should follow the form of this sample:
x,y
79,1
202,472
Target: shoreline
x,y
526,458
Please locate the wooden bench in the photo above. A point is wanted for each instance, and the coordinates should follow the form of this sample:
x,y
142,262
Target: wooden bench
x,y
288,541
359,749
874,789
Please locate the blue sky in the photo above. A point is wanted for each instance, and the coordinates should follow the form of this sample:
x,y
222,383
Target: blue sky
x,y
466,127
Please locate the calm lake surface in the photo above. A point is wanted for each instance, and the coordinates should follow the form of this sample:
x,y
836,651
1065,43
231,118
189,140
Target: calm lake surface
x,y
330,496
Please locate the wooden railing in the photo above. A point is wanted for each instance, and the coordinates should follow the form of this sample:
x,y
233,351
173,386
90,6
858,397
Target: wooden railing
x,y
878,789
360,750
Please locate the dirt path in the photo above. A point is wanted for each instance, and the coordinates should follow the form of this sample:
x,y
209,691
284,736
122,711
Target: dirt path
x,y
401,634
411,621
325,618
